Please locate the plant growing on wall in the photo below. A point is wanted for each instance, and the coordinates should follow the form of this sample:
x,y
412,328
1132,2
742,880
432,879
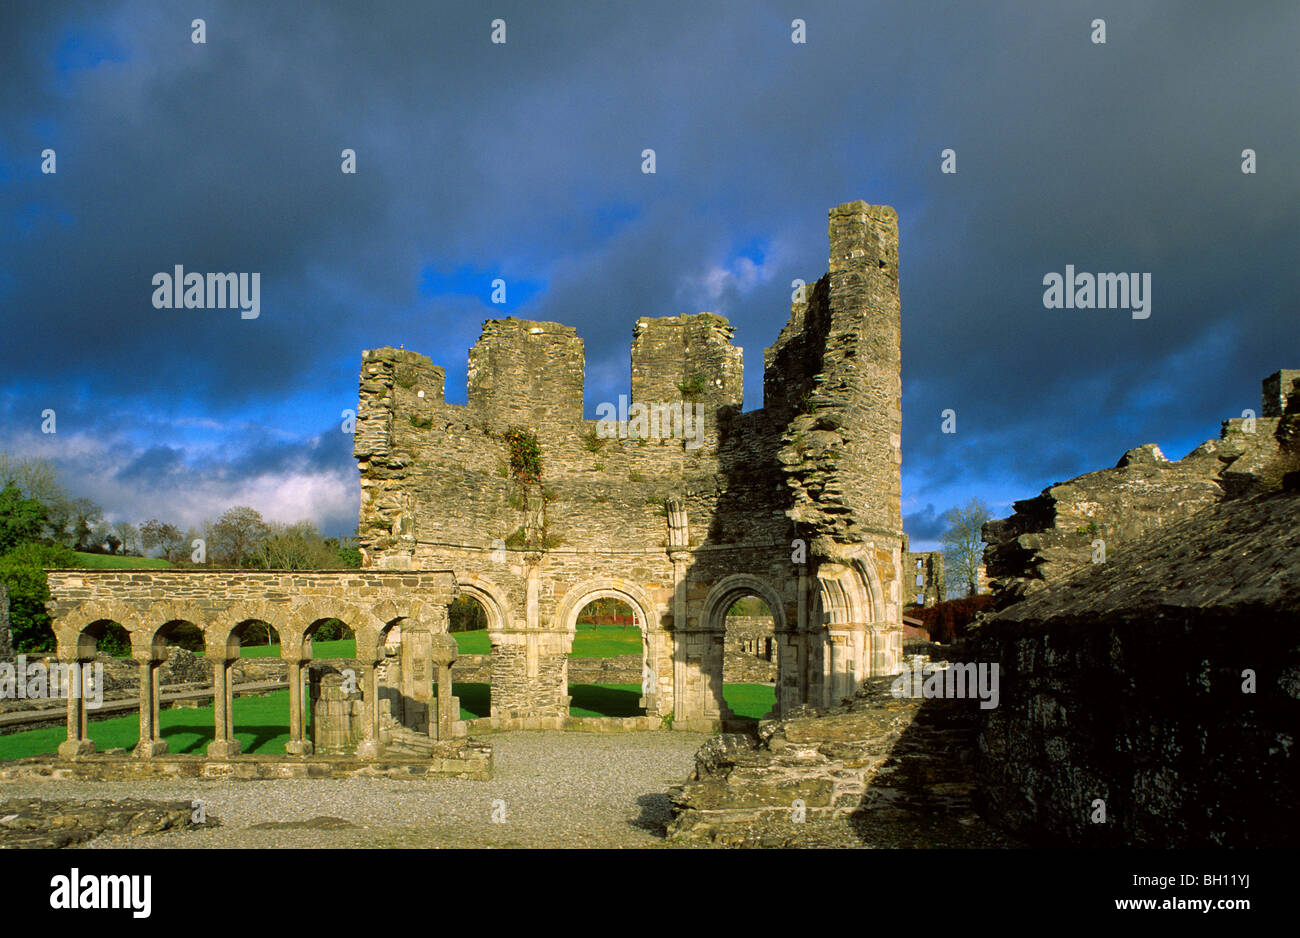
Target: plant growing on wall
x,y
525,455
692,388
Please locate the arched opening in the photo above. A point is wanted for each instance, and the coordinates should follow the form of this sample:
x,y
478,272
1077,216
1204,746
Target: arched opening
x,y
258,709
749,658
607,666
467,623
326,686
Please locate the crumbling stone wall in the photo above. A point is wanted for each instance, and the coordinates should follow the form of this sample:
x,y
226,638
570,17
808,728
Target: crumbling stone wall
x,y
6,634
925,581
749,650
1051,537
797,502
1151,698
1163,686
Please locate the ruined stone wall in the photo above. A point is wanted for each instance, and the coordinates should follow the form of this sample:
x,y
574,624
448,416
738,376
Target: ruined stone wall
x,y
438,491
924,577
1052,536
1164,683
6,635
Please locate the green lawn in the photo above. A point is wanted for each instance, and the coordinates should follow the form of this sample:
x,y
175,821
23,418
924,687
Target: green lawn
x,y
114,562
620,700
261,725
750,700
590,641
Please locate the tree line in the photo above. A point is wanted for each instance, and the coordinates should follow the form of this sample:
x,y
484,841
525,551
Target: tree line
x,y
43,527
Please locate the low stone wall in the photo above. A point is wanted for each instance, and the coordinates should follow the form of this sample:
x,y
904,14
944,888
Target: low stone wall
x,y
465,759
741,667
882,772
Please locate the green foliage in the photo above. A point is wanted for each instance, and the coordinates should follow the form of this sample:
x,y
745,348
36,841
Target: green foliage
x,y
749,606
405,376
349,557
517,538
594,441
807,405
466,615
22,570
525,455
599,467
693,387
635,476
1089,528
21,519
420,423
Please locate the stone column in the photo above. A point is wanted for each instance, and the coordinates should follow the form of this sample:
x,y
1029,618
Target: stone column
x,y
370,747
443,651
150,745
77,743
223,745
297,745
157,700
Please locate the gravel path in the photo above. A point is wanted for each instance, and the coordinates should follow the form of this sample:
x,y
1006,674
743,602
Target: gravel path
x,y
559,790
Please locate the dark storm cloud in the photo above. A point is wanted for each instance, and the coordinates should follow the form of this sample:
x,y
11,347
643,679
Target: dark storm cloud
x,y
524,160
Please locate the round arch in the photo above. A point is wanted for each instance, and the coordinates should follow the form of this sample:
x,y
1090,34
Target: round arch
x,y
70,628
576,599
730,588
489,596
162,614
221,631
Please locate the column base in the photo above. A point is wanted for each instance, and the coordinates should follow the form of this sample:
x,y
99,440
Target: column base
x,y
224,748
149,749
72,748
370,749
299,747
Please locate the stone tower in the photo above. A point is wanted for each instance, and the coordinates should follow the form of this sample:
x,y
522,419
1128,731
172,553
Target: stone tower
x,y
796,503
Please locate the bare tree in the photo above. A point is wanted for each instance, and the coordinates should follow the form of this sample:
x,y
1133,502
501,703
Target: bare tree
x,y
238,535
963,543
155,533
127,536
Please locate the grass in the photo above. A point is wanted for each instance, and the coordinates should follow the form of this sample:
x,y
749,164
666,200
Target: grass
x,y
750,700
620,700
591,641
261,725
115,562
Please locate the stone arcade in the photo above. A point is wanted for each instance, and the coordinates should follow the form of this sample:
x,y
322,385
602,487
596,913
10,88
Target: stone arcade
x,y
796,503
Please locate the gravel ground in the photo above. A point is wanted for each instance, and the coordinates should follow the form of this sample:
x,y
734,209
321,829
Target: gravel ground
x,y
560,790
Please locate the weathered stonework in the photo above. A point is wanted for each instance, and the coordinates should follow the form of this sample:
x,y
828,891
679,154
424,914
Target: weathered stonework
x,y
797,503
6,634
222,605
1159,680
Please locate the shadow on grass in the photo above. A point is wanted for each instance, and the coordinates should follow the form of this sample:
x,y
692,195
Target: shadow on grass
x,y
605,700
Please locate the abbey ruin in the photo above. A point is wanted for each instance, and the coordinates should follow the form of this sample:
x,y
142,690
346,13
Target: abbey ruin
x,y
796,503
678,509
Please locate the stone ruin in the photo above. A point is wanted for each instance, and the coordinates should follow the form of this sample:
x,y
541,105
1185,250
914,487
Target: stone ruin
x,y
1147,695
796,503
676,502
6,634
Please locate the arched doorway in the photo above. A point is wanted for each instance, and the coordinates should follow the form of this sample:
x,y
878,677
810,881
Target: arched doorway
x,y
467,623
606,660
749,659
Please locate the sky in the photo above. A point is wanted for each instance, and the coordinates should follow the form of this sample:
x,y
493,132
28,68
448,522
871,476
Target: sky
x,y
522,161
